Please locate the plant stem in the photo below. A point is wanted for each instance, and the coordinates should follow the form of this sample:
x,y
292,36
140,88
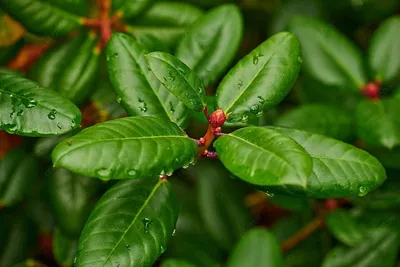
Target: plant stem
x,y
303,234
27,56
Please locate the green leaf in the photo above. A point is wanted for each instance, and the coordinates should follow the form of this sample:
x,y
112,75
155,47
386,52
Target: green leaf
x,y
29,263
152,43
132,8
130,225
167,21
139,91
45,145
379,249
178,78
329,56
339,169
43,17
73,78
322,119
30,110
210,45
69,197
378,123
382,54
9,52
344,228
263,156
176,263
18,172
257,247
261,79
221,204
159,148
64,248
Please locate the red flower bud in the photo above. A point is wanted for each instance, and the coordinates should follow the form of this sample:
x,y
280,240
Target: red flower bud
x,y
217,118
371,90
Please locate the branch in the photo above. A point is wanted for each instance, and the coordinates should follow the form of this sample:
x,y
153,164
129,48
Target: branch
x,y
27,56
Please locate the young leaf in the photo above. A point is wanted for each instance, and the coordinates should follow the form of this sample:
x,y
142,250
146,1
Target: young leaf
x,y
210,45
69,196
327,120
263,156
176,263
178,78
345,228
378,122
383,53
257,247
221,204
379,249
167,21
139,91
329,56
130,225
64,248
339,169
261,79
18,171
30,110
126,148
130,9
73,78
42,17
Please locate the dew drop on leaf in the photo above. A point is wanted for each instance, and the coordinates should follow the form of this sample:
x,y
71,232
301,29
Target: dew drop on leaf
x,y
19,114
59,126
162,248
300,60
245,118
256,58
103,172
52,114
132,172
362,191
128,247
119,100
261,100
171,107
169,173
254,109
115,55
174,232
146,224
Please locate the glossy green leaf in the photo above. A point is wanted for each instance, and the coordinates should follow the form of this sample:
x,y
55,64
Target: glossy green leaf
x,y
210,45
382,54
130,225
105,150
339,169
138,90
18,171
261,79
327,120
176,263
43,17
344,228
69,197
151,43
257,247
64,248
379,249
27,109
263,156
378,123
221,204
167,21
178,78
73,78
131,8
328,55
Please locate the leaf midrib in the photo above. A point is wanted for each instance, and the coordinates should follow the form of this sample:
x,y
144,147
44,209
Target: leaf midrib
x,y
134,219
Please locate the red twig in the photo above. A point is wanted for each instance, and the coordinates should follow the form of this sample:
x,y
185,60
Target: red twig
x,y
27,56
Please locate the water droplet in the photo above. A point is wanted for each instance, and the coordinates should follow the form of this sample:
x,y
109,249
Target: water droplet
x,y
128,247
103,172
30,103
174,232
59,126
186,166
162,248
362,191
146,224
11,95
119,100
162,174
171,107
256,58
182,71
245,118
171,76
19,114
52,114
132,172
261,100
169,173
254,109
240,84
269,194
115,55
117,264
300,60
143,108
